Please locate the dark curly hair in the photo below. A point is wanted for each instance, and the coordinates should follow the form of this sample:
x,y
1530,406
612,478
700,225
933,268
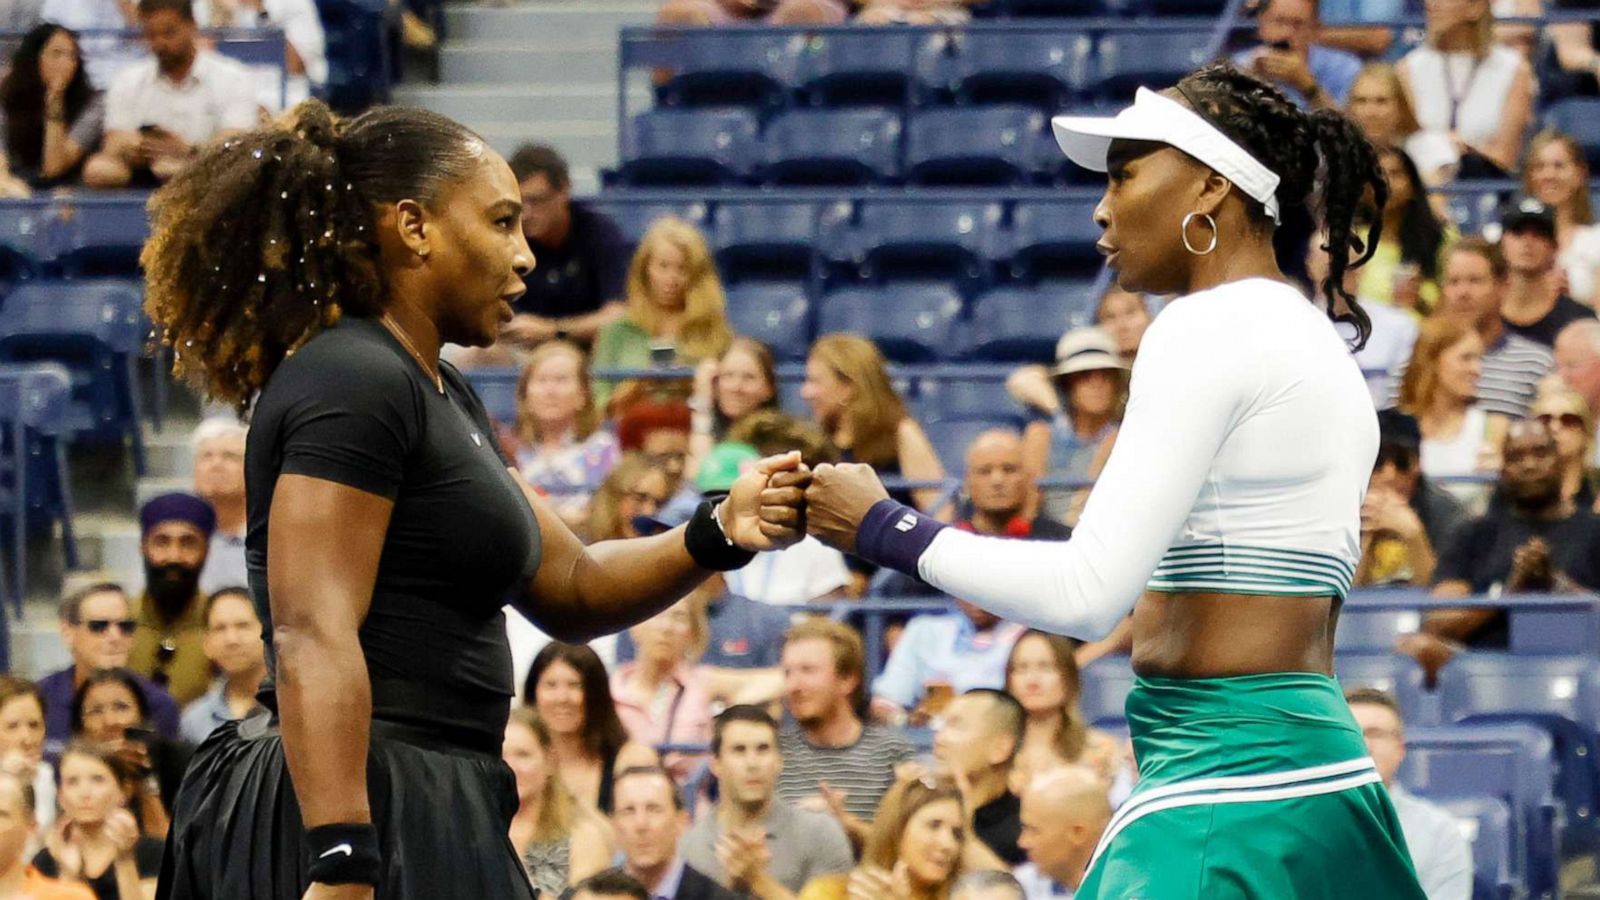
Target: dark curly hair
x,y
1323,160
268,237
22,97
1421,231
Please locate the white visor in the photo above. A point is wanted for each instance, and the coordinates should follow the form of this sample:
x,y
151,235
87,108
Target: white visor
x,y
1152,117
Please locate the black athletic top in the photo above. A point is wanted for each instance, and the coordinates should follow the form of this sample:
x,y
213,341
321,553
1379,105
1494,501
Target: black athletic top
x,y
351,406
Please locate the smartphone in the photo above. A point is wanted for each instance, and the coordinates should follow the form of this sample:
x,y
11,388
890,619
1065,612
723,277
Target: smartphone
x,y
149,129
662,356
143,735
1280,45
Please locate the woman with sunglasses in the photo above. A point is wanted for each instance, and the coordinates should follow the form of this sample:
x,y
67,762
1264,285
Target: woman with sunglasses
x,y
109,710
1563,411
1227,518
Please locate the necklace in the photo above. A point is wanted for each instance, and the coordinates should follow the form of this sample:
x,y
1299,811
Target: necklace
x,y
400,335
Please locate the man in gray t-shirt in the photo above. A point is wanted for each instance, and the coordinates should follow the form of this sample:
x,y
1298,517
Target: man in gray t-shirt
x,y
755,843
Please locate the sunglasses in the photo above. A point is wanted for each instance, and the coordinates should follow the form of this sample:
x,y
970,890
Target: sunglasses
x,y
1565,420
100,626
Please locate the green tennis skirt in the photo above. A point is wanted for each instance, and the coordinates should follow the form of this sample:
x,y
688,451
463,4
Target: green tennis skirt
x,y
1256,786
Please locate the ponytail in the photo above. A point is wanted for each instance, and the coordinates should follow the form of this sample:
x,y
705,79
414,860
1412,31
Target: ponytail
x,y
267,238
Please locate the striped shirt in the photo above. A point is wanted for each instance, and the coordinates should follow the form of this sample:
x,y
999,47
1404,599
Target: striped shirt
x,y
864,770
1512,369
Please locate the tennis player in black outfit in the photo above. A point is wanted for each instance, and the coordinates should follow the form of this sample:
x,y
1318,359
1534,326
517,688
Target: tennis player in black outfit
x,y
323,264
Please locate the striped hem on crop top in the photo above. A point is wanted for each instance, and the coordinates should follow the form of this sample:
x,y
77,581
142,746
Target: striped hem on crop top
x,y
1236,569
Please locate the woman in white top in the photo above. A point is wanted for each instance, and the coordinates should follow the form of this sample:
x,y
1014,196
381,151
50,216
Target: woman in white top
x,y
1558,174
1440,389
1473,98
1227,517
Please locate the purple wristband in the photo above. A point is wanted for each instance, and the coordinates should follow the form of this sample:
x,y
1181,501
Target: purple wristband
x,y
895,535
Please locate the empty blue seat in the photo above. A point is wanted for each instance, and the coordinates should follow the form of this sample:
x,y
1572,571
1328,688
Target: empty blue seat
x,y
1129,59
104,236
953,437
1399,676
969,400
1054,238
1104,686
1579,117
1472,211
633,217
1373,630
95,329
1558,693
867,66
25,228
767,240
1023,324
357,35
1168,7
832,147
497,390
909,321
779,315
34,486
1513,763
1486,824
688,146
987,145
1052,8
916,239
727,67
1041,68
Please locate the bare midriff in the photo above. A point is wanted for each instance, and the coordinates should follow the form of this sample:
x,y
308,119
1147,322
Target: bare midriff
x,y
1200,635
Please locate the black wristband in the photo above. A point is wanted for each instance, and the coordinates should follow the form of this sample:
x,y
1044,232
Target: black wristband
x,y
344,854
707,544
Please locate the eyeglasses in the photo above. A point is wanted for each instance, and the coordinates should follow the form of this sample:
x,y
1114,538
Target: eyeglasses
x,y
1566,420
100,626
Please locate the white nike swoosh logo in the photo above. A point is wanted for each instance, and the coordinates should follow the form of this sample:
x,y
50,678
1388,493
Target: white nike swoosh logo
x,y
346,849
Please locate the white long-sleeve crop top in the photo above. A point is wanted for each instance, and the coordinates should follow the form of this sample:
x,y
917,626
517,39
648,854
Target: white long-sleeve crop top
x,y
1240,467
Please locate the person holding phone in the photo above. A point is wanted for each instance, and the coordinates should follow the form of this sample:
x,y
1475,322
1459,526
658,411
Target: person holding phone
x,y
96,840
1313,75
110,711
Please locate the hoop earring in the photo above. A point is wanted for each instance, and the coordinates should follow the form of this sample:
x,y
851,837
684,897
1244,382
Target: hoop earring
x,y
1184,231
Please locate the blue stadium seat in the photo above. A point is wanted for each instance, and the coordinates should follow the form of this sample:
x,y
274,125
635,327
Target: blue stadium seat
x,y
1210,8
1105,684
688,147
1512,763
34,486
916,239
1560,694
837,147
104,236
1486,824
1044,69
1399,676
777,314
25,230
633,217
910,321
723,67
1023,324
980,146
357,34
951,438
768,240
969,400
497,390
96,329
1131,59
1054,238
1471,211
860,67
1373,630
1052,8
1579,117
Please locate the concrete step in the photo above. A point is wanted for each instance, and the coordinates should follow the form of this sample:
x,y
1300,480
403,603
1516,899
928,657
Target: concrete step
x,y
534,104
585,144
168,454
519,64
151,487
545,21
110,542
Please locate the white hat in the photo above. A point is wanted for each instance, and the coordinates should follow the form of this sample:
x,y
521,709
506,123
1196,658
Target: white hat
x,y
1086,350
1153,117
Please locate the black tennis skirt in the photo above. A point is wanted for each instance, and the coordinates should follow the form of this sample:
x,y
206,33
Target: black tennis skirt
x,y
443,816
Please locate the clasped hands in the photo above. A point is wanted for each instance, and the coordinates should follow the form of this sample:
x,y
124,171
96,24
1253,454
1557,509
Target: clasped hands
x,y
779,500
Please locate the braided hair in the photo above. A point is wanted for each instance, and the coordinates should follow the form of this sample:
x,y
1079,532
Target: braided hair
x,y
267,238
1324,163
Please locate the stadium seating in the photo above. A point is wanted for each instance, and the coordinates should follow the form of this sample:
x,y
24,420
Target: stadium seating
x,y
103,236
1043,69
634,218
497,389
836,147
94,328
1399,676
1130,59
892,240
24,229
777,314
1049,8
989,145
1054,239
1104,686
715,67
767,241
1579,117
968,400
1486,823
1373,630
1022,324
855,68
34,488
909,321
688,147
357,35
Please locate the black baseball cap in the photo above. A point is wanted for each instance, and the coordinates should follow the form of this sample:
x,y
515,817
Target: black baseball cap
x,y
1526,211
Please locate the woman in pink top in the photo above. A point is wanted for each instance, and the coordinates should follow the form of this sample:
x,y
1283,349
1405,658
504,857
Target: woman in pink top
x,y
664,695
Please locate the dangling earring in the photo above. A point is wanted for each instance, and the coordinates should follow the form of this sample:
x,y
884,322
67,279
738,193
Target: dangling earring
x,y
1184,231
